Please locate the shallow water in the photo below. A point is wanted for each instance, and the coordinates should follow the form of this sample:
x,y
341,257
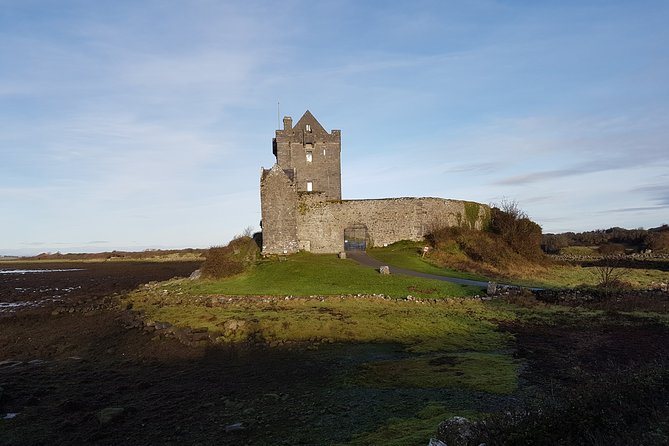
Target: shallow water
x,y
31,271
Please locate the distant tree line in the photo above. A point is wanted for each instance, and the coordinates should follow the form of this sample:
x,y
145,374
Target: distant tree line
x,y
611,241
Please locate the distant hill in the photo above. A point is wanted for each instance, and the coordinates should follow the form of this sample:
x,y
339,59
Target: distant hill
x,y
149,254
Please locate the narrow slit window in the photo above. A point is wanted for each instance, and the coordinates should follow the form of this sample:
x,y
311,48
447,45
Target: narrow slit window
x,y
308,128
310,186
310,156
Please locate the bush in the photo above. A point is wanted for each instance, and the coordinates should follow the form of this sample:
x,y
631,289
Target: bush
x,y
225,261
515,228
511,242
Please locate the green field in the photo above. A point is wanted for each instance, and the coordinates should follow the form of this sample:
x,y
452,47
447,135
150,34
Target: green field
x,y
446,341
306,274
407,255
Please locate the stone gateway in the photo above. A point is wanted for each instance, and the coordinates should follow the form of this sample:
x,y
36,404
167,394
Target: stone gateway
x,y
302,207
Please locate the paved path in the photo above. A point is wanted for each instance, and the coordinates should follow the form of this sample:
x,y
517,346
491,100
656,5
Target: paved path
x,y
362,258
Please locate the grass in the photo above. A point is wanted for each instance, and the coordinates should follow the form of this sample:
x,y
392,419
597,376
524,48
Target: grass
x,y
407,431
406,254
453,325
480,371
306,274
570,276
580,251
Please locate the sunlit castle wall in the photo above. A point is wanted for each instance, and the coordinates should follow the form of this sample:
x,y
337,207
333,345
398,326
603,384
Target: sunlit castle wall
x,y
321,224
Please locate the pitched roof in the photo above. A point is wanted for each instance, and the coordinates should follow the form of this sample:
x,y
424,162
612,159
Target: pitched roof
x,y
308,118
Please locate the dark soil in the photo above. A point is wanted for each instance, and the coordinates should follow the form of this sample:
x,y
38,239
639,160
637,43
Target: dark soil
x,y
63,363
60,369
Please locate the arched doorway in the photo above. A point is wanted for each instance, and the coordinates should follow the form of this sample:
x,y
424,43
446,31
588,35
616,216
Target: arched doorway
x,y
355,238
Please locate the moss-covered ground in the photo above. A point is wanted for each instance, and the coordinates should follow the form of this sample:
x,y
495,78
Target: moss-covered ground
x,y
549,275
455,354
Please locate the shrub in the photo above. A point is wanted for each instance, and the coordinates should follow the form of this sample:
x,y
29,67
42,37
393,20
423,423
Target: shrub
x,y
513,225
225,261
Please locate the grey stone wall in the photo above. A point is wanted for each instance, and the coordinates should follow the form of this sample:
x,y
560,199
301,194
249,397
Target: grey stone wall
x,y
279,199
294,218
321,223
312,152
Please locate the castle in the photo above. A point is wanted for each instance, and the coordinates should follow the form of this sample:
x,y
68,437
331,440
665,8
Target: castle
x,y
302,208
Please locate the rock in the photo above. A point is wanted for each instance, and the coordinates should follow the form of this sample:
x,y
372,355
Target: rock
x,y
384,269
7,363
199,336
342,255
195,275
163,325
183,334
232,325
435,442
456,431
492,288
109,414
234,427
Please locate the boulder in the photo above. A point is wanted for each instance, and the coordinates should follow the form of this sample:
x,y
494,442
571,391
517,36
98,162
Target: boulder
x,y
195,275
109,414
456,431
342,255
384,269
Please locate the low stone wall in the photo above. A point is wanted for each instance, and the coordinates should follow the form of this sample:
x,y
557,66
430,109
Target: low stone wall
x,y
321,223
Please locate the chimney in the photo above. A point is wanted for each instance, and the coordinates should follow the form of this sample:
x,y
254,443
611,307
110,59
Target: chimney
x,y
287,123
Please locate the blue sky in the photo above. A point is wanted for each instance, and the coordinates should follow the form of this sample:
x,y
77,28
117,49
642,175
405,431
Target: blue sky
x,y
144,124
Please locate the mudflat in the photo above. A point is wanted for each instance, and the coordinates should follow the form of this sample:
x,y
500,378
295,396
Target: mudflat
x,y
72,372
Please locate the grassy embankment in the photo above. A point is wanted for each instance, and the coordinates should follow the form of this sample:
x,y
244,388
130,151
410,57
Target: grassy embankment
x,y
449,343
546,275
449,340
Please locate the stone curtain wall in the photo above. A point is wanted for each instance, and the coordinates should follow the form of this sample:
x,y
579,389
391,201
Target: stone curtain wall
x,y
321,223
279,204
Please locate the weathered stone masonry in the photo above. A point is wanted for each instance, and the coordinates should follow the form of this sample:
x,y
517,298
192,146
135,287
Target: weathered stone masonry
x,y
302,207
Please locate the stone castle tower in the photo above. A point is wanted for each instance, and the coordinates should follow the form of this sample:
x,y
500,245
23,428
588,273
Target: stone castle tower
x,y
302,207
312,154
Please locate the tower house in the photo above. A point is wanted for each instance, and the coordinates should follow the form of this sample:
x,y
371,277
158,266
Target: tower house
x,y
312,154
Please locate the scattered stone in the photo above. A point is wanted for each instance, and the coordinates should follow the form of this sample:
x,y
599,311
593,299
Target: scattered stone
x,y
234,427
342,255
10,415
197,274
435,442
456,431
8,363
163,325
233,325
200,336
492,288
109,414
384,269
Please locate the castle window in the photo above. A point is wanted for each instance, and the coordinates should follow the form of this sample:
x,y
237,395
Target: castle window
x,y
308,128
310,156
310,186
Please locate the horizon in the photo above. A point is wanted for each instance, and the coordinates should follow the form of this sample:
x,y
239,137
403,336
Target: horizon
x,y
132,126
